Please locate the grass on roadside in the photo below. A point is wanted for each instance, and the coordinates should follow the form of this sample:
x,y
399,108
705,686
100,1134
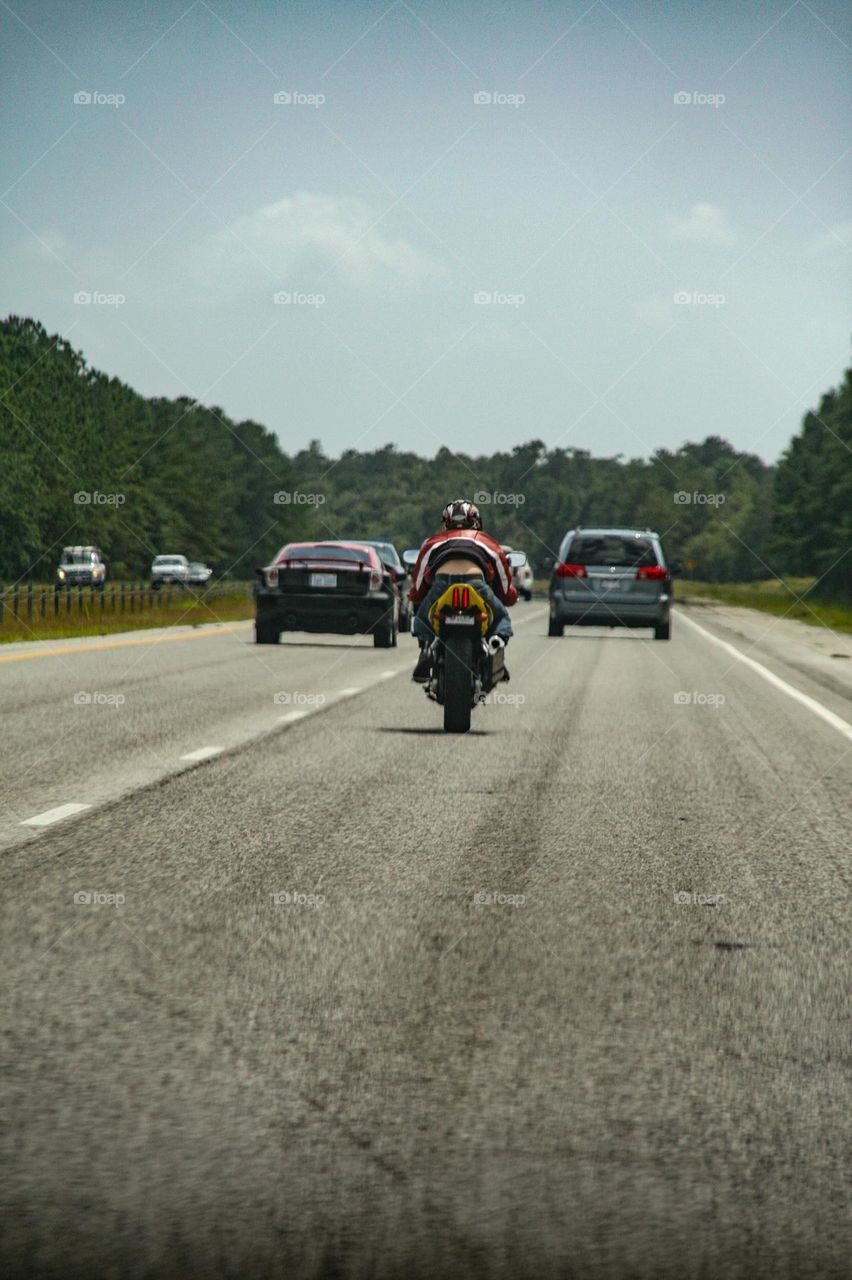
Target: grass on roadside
x,y
186,611
789,599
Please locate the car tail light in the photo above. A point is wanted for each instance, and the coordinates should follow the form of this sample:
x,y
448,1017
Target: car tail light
x,y
571,571
652,573
375,580
272,577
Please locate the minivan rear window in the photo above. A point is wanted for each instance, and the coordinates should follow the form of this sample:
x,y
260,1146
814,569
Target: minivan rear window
x,y
611,549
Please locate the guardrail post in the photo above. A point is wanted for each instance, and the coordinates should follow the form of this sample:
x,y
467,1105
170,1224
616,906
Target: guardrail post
x,y
123,592
43,604
16,603
30,601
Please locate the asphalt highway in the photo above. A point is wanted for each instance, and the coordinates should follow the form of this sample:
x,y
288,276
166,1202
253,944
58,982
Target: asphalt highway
x,y
298,986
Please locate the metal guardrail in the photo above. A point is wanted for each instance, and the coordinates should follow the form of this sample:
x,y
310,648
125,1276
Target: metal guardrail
x,y
30,603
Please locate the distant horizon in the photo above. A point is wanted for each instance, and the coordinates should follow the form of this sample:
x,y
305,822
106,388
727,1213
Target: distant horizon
x,y
390,444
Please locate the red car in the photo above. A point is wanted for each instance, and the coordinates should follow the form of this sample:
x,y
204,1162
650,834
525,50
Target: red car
x,y
337,587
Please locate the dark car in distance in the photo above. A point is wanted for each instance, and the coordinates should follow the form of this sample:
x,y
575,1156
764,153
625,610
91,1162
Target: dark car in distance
x,y
336,587
389,557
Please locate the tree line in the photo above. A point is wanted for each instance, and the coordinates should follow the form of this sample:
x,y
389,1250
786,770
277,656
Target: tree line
x,y
88,460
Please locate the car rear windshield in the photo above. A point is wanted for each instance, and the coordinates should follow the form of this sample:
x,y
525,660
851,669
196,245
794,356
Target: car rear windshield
x,y
323,551
168,560
81,557
612,549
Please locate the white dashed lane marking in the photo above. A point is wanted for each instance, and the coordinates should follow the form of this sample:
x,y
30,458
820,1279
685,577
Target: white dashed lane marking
x,y
50,816
203,753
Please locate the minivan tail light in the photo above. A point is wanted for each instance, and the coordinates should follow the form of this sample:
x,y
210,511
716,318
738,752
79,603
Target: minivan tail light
x,y
652,573
571,571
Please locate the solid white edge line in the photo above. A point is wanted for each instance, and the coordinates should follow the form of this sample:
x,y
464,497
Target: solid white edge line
x,y
203,753
54,815
836,722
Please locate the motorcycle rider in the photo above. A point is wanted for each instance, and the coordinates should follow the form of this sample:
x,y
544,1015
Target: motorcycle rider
x,y
461,552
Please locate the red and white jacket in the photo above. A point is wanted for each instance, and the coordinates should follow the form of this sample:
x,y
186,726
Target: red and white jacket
x,y
474,544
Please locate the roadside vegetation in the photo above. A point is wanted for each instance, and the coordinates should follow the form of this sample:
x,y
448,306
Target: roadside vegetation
x,y
86,460
86,613
790,598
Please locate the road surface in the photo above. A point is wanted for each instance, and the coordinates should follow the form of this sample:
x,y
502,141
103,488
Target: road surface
x,y
296,985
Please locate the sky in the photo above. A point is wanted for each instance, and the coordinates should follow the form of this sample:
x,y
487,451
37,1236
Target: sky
x,y
605,225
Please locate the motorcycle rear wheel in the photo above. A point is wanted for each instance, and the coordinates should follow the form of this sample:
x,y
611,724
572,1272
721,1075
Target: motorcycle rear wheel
x,y
458,684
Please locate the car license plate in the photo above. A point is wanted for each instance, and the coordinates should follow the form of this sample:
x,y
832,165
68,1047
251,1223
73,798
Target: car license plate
x,y
323,579
607,584
460,620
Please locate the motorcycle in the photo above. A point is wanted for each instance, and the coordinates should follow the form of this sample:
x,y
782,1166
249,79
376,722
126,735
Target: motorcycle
x,y
465,667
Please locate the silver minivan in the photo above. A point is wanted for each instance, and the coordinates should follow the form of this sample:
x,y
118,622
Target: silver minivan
x,y
611,578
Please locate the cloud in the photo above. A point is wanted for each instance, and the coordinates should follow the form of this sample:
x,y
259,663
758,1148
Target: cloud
x,y
838,235
301,236
704,224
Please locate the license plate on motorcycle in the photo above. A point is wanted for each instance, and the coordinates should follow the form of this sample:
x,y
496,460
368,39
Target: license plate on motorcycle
x,y
323,579
462,620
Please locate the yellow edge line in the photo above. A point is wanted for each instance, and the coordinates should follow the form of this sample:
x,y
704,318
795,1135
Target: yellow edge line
x,y
119,644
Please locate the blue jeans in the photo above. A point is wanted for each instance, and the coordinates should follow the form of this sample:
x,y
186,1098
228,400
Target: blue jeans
x,y
501,624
